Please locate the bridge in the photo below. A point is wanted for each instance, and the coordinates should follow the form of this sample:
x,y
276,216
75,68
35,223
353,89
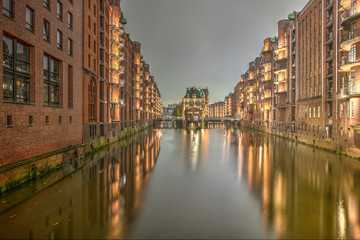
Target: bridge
x,y
177,122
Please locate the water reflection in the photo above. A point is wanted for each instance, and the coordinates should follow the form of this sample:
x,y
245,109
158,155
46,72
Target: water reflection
x,y
304,192
99,201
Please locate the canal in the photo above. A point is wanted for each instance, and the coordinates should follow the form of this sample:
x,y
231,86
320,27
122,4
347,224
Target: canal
x,y
214,183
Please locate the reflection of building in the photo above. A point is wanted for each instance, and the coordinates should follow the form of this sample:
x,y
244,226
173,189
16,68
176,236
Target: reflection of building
x,y
195,104
99,201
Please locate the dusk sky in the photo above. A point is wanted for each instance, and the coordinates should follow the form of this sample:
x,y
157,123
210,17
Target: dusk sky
x,y
202,43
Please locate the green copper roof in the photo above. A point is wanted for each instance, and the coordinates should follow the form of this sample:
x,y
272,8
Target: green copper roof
x,y
135,42
202,93
261,55
272,39
141,57
291,16
124,21
253,64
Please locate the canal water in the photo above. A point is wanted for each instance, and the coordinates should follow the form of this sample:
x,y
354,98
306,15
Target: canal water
x,y
214,183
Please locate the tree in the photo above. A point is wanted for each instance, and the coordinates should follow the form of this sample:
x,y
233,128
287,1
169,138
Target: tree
x,y
177,111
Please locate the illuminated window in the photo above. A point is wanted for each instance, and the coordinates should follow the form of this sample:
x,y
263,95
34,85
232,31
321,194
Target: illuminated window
x,y
16,70
51,81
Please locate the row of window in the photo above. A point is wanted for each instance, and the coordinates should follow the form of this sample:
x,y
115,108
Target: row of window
x,y
16,74
311,111
9,121
59,37
8,10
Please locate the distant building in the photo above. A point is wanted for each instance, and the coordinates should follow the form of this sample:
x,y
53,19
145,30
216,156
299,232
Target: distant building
x,y
216,110
168,111
195,104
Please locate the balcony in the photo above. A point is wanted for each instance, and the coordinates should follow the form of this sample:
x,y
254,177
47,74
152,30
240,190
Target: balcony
x,y
344,93
118,56
348,62
329,56
117,68
349,39
280,91
279,48
329,21
348,17
329,4
117,27
280,59
329,38
119,44
118,82
280,67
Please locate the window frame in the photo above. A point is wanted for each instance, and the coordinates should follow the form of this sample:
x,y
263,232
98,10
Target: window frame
x,y
70,46
59,10
46,4
49,84
70,20
29,26
18,77
46,23
59,36
8,12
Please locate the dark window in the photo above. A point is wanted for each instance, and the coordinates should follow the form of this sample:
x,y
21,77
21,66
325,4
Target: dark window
x,y
60,120
9,120
47,120
16,74
94,46
51,81
8,8
46,34
94,28
70,86
89,22
89,41
70,119
59,39
59,10
70,47
29,18
95,10
92,101
94,64
31,121
70,20
46,4
71,1
89,61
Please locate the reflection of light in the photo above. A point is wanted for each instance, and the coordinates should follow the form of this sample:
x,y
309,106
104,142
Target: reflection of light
x,y
260,158
353,210
341,218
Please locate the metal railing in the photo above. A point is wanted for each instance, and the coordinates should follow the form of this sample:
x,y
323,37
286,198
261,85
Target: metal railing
x,y
350,35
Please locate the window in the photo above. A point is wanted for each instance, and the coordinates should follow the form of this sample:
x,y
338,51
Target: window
x,y
318,111
89,61
47,120
60,120
94,46
309,112
94,64
70,47
46,4
59,10
89,41
46,34
92,101
70,119
9,121
95,10
8,8
70,86
314,112
70,20
341,110
51,81
352,54
16,74
59,39
94,28
71,1
89,22
352,109
29,18
31,121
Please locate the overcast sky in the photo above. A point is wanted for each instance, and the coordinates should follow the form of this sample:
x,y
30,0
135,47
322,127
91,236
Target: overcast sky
x,y
202,43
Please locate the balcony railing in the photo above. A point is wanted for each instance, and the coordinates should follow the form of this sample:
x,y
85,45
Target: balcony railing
x,y
329,3
329,37
349,59
350,35
348,16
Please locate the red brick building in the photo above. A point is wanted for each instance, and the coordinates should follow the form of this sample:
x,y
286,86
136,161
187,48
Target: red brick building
x,y
40,78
